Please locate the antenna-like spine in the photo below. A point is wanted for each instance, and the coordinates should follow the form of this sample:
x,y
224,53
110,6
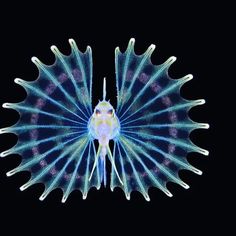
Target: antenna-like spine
x,y
104,89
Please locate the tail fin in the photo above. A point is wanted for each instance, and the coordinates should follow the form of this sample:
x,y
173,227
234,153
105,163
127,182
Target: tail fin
x,y
102,169
99,153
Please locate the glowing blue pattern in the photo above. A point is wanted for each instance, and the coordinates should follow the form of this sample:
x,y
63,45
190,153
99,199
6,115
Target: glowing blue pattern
x,y
150,126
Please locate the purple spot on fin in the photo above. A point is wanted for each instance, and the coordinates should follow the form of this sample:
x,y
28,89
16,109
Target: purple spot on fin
x,y
144,78
40,103
35,150
34,134
62,78
50,88
129,75
53,171
173,132
156,170
67,176
84,94
34,118
77,75
43,163
166,101
155,87
173,117
171,148
166,162
144,174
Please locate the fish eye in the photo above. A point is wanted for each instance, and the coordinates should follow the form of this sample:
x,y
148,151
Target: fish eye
x,y
110,112
97,112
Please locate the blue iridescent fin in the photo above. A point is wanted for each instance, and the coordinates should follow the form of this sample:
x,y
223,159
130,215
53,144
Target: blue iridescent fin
x,y
53,137
154,138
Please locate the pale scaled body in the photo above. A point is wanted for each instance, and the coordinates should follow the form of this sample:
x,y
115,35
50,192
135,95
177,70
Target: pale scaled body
x,y
104,126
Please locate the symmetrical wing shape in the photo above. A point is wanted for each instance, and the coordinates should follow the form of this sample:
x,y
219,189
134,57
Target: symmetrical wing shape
x,y
154,138
53,138
151,134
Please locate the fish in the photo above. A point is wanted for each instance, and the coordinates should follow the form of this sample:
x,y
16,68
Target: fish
x,y
65,143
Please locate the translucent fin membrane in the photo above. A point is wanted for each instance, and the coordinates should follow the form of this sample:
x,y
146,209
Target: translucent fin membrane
x,y
55,142
52,131
155,127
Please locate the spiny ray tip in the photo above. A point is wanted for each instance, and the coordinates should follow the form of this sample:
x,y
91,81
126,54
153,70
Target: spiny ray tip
x,y
54,49
6,105
5,153
19,81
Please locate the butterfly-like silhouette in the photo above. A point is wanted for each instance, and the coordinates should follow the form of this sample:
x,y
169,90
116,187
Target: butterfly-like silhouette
x,y
58,127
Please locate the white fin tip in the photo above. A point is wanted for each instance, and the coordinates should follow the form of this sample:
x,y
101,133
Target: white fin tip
x,y
168,193
188,77
43,196
19,81
152,47
3,130
198,172
89,49
71,41
204,126
25,186
184,185
64,198
35,60
117,51
147,198
132,41
6,105
200,102
6,130
172,59
10,173
5,153
73,44
204,152
54,49
150,50
131,44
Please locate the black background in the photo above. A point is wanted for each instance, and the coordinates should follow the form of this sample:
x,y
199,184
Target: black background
x,y
192,33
